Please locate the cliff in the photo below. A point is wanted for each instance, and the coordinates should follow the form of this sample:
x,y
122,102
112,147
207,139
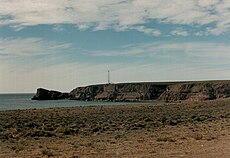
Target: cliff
x,y
44,94
119,92
165,91
197,91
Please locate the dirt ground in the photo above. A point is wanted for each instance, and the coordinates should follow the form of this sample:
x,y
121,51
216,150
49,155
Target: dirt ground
x,y
186,129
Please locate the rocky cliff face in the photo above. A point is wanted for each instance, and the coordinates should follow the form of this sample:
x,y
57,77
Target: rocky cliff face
x,y
119,92
43,94
197,91
194,91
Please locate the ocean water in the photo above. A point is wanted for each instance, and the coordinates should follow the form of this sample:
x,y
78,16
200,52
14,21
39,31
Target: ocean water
x,y
23,101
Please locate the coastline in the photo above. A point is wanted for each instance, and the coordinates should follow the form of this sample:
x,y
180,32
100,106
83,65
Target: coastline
x,y
23,101
143,91
119,131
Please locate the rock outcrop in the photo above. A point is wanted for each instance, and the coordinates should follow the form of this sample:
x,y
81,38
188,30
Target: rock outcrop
x,y
171,91
197,91
44,94
119,92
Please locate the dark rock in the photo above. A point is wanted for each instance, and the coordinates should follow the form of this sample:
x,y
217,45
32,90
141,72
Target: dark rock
x,y
85,93
44,94
197,91
119,92
129,92
173,122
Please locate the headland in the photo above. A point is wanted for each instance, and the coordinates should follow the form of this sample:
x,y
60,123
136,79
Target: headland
x,y
144,91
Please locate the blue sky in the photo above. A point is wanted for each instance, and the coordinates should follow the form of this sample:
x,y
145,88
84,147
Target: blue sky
x,y
62,44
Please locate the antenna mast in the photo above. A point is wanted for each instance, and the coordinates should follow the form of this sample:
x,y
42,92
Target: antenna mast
x,y
108,77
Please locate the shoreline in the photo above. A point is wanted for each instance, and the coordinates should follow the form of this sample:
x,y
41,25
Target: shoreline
x,y
25,103
161,130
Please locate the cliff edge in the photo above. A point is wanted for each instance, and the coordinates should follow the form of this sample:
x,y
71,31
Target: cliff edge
x,y
44,94
197,91
165,91
119,92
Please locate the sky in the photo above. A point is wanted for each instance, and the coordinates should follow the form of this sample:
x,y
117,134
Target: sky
x,y
64,44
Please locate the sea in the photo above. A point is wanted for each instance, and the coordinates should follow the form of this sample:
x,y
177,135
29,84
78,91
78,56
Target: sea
x,y
23,101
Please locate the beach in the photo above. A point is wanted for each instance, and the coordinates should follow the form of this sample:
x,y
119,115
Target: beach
x,y
181,129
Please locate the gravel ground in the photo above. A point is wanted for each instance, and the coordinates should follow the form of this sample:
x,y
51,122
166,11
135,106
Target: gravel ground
x,y
186,129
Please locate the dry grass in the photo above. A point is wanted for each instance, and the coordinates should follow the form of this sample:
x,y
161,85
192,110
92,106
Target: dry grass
x,y
118,131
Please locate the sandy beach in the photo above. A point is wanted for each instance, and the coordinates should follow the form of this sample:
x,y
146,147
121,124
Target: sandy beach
x,y
186,129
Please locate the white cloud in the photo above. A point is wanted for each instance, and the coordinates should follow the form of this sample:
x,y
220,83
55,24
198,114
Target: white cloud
x,y
116,14
205,51
58,28
17,27
82,26
147,31
179,32
207,4
19,47
29,47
